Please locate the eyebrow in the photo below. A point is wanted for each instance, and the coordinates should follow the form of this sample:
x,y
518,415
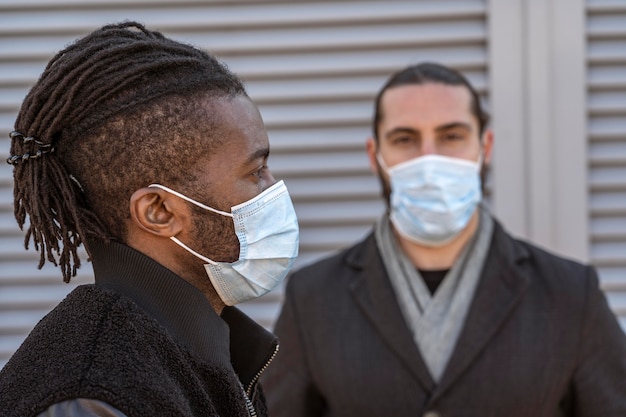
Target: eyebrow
x,y
262,153
447,126
401,130
454,125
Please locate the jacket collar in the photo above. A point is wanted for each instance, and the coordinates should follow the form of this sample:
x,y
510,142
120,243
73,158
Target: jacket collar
x,y
184,311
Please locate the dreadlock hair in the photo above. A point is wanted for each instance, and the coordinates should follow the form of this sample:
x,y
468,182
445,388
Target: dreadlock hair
x,y
116,110
429,72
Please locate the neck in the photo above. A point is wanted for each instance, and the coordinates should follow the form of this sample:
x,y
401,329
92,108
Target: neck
x,y
441,257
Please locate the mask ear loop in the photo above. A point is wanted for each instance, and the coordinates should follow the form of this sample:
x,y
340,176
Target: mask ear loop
x,y
382,164
192,201
193,252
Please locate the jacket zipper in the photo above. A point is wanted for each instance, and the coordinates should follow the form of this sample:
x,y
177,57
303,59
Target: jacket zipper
x,y
248,392
249,404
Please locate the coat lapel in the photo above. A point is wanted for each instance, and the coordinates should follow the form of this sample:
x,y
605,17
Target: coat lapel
x,y
501,288
374,295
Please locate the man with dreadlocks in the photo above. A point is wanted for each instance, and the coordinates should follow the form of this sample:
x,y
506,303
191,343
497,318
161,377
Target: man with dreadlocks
x,y
149,153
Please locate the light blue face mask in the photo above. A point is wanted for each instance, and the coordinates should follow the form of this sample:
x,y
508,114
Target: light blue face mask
x,y
268,233
433,197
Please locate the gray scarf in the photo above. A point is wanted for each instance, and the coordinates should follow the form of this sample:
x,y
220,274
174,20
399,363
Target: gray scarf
x,y
435,320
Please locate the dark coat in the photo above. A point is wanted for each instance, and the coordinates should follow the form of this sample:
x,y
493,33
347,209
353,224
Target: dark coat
x,y
539,340
97,344
143,341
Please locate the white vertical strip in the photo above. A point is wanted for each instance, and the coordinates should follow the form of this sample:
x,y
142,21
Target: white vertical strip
x,y
570,128
507,98
540,101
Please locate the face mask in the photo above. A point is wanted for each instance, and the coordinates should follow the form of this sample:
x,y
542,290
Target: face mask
x,y
268,234
433,197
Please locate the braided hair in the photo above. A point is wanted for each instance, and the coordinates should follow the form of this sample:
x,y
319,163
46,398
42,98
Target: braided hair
x,y
116,110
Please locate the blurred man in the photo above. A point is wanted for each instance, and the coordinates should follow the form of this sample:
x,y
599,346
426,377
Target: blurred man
x,y
149,153
439,311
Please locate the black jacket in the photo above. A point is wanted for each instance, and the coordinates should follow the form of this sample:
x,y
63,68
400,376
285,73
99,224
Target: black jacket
x,y
147,343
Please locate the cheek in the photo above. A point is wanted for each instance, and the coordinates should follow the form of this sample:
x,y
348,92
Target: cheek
x,y
215,237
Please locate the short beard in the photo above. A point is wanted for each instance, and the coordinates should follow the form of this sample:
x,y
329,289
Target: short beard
x,y
214,236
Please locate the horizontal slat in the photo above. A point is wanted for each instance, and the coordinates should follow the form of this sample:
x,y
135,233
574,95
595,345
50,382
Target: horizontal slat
x,y
608,203
75,4
617,302
608,254
612,278
606,77
311,114
379,62
331,237
354,62
607,128
313,214
8,224
607,25
228,18
611,52
605,6
330,88
286,91
41,297
332,188
7,119
317,138
25,274
283,40
8,344
607,103
608,153
19,322
610,178
324,163
608,229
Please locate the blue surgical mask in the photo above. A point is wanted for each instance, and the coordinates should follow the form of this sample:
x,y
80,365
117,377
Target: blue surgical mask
x,y
433,197
268,233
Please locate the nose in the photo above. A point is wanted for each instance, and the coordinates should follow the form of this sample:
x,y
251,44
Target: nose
x,y
428,147
271,179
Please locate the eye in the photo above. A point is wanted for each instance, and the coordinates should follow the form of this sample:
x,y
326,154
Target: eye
x,y
453,136
400,140
261,171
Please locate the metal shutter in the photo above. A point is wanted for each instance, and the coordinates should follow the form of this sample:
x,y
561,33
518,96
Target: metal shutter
x,y
313,67
606,66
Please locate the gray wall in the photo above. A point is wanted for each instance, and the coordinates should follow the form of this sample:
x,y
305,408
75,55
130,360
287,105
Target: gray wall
x,y
552,73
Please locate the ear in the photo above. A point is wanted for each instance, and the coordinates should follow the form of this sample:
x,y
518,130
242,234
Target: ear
x,y
157,212
372,149
487,144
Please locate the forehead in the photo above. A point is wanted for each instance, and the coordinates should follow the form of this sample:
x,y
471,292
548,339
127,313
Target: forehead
x,y
240,129
426,104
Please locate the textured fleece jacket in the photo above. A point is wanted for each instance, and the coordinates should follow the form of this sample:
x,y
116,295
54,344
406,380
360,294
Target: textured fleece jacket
x,y
102,343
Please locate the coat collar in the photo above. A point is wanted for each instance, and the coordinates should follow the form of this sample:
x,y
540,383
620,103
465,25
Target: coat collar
x,y
500,289
232,341
376,298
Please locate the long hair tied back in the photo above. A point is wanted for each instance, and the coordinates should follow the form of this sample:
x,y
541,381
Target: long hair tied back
x,y
115,70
